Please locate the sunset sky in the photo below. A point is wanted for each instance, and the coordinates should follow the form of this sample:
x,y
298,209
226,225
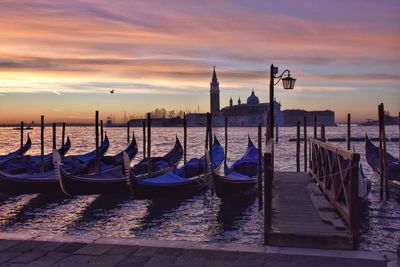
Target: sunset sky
x,y
60,58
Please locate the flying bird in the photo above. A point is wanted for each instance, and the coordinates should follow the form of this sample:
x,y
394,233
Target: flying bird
x,y
112,91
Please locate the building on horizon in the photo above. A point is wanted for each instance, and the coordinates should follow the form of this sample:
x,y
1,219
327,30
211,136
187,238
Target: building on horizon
x,y
292,116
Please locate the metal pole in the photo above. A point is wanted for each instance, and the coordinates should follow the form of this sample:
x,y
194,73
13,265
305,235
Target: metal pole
x,y
268,176
149,144
54,136
348,131
305,144
42,144
298,147
271,102
259,168
184,138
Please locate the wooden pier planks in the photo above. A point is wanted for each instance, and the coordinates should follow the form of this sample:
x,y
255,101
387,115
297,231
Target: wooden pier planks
x,y
297,222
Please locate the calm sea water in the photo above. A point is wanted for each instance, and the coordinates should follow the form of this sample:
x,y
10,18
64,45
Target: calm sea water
x,y
200,218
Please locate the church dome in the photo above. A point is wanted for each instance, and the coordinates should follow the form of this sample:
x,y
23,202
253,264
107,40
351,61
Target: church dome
x,y
253,99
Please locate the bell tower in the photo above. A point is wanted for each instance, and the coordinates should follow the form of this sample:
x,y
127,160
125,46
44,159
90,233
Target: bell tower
x,y
214,94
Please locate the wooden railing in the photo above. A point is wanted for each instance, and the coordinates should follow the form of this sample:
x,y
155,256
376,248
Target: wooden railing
x,y
336,172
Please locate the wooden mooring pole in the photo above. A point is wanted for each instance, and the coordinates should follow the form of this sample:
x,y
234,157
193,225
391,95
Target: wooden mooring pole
x,y
226,140
305,144
96,132
348,131
210,138
259,168
149,144
184,138
42,144
144,139
128,131
63,137
54,136
22,137
298,147
323,137
101,132
267,130
268,177
315,127
382,136
277,132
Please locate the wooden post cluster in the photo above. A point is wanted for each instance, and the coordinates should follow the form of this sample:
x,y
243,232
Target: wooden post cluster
x,y
54,136
382,153
144,139
149,144
298,147
323,137
268,177
42,144
259,168
305,144
348,131
22,136
184,138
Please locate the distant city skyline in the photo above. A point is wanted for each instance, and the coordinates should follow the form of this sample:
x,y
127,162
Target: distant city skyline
x,y
62,58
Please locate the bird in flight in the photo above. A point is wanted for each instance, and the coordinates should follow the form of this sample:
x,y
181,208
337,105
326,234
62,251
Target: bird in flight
x,y
112,91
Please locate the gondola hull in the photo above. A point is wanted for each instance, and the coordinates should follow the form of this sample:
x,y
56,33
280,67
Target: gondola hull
x,y
170,191
394,190
10,185
75,185
227,188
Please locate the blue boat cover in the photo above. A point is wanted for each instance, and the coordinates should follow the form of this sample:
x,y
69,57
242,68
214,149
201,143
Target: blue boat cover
x,y
192,168
246,165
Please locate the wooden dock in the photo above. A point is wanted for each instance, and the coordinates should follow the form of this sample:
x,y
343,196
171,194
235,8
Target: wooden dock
x,y
314,209
302,217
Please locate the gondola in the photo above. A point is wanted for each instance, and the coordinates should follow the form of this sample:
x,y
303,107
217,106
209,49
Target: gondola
x,y
19,152
32,164
392,163
192,178
159,165
114,180
44,182
240,180
392,172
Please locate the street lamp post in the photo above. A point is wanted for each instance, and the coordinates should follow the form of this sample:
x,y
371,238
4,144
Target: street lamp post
x,y
288,84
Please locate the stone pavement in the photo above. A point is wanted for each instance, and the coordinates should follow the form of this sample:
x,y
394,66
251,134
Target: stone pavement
x,y
30,250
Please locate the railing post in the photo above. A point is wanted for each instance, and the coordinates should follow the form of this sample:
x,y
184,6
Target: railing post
x,y
298,147
315,127
268,176
354,201
323,138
